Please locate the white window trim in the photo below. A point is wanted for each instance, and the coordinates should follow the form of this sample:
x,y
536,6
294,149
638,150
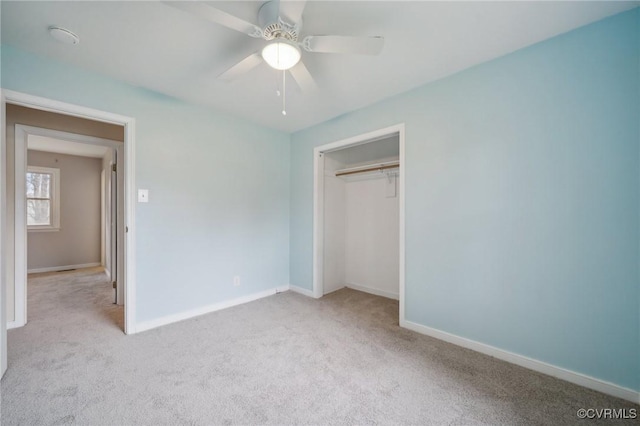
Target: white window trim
x,y
55,200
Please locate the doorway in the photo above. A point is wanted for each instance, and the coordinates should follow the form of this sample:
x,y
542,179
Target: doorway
x,y
61,184
13,254
358,235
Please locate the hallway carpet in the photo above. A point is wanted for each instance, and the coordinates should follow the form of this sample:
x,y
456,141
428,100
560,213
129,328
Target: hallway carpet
x,y
285,359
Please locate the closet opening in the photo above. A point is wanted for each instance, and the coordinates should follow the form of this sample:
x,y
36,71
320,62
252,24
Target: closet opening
x,y
359,215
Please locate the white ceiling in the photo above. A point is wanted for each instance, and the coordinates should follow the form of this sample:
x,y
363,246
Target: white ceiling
x,y
153,45
47,144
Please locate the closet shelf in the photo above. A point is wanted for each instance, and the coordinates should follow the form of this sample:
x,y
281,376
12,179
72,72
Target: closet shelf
x,y
369,168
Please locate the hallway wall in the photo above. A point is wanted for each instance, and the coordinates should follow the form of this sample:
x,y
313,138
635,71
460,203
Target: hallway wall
x,y
78,240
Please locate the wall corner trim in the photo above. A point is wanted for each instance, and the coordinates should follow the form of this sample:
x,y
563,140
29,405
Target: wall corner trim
x,y
169,319
529,363
303,291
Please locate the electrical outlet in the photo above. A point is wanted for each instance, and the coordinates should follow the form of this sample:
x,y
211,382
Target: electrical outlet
x,y
236,281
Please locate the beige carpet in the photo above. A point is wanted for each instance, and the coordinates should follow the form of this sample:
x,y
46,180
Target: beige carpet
x,y
286,359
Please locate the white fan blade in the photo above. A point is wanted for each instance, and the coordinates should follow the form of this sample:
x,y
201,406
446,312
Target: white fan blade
x,y
291,11
303,78
217,16
245,65
343,44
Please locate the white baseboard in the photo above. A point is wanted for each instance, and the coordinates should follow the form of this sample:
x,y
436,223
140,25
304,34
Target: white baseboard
x,y
169,319
532,364
108,274
303,291
63,268
375,291
333,290
14,324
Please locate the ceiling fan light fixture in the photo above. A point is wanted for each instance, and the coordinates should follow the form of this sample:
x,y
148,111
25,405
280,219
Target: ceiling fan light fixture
x,y
281,54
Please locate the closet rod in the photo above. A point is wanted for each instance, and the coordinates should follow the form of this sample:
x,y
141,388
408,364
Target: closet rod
x,y
373,167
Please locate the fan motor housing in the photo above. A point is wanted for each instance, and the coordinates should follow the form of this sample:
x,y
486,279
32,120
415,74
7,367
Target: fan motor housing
x,y
273,25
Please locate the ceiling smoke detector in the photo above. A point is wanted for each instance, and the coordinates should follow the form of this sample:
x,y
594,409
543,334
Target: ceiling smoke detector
x,y
63,35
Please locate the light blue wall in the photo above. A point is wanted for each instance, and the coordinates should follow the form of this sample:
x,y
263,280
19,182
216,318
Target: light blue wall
x,y
522,196
219,188
522,200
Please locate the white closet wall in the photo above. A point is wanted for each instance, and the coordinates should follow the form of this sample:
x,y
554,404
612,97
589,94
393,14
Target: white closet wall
x,y
361,221
334,227
372,236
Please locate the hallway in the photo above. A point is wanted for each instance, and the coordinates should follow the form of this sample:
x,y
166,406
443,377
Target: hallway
x,y
86,297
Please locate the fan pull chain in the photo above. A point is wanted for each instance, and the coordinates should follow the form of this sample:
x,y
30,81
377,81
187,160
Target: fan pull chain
x,y
284,93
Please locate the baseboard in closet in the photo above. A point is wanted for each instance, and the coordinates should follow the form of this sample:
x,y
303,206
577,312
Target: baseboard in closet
x,y
375,291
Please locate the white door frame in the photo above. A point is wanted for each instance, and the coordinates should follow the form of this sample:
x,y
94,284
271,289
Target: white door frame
x,y
22,99
318,203
22,134
3,248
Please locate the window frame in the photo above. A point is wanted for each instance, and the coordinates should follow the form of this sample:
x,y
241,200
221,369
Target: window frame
x,y
54,199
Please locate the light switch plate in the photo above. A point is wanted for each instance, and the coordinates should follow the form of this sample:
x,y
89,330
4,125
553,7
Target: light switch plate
x,y
143,195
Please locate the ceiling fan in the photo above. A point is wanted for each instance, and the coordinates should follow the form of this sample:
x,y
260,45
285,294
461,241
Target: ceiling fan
x,y
280,24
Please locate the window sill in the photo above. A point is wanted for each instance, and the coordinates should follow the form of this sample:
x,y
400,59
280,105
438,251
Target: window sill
x,y
44,229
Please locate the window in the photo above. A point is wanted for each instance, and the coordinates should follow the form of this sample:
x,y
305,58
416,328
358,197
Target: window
x,y
43,198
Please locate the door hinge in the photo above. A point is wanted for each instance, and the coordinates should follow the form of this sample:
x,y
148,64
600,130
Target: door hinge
x,y
126,229
114,168
115,284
